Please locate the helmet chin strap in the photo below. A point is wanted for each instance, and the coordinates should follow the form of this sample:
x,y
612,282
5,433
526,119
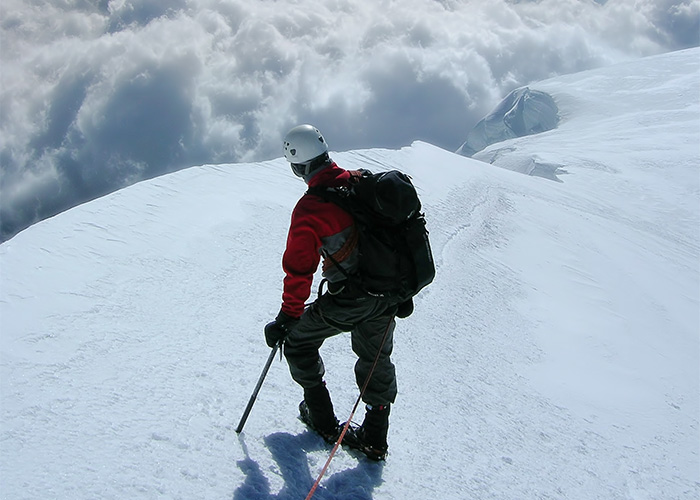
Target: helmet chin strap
x,y
297,169
310,168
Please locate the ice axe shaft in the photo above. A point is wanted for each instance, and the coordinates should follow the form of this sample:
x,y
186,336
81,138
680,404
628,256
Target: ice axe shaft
x,y
251,402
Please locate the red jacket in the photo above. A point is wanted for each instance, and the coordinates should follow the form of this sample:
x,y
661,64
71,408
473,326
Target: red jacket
x,y
317,226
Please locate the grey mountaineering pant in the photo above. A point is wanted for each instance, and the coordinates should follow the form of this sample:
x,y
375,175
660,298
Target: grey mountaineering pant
x,y
367,318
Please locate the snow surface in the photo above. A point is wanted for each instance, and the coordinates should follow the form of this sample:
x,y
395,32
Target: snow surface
x,y
555,356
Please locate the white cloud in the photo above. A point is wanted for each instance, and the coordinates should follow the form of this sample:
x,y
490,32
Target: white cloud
x,y
96,95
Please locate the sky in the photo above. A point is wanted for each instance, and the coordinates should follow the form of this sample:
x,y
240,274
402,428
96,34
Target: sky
x,y
98,95
556,355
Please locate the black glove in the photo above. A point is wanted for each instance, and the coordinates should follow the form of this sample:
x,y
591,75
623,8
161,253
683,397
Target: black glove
x,y
279,328
405,309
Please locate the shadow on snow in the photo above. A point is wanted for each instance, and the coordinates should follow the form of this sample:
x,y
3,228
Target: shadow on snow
x,y
290,454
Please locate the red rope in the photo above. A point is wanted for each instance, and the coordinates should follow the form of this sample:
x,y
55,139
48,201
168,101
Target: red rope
x,y
352,413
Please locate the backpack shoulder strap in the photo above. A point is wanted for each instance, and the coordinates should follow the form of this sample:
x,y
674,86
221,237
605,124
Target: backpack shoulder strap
x,y
330,194
355,178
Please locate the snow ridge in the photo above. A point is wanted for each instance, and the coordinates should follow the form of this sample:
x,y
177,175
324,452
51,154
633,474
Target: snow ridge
x,y
554,356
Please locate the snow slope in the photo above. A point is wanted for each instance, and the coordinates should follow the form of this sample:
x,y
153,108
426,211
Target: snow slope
x,y
555,356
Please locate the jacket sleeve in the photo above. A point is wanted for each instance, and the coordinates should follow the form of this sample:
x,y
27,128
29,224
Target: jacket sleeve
x,y
300,259
313,222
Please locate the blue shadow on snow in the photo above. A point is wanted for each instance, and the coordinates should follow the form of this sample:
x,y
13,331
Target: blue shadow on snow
x,y
290,454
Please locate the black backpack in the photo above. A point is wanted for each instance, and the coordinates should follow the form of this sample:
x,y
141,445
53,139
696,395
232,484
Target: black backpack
x,y
395,260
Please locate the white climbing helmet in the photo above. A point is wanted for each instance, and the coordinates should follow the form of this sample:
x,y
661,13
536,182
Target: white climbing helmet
x,y
304,143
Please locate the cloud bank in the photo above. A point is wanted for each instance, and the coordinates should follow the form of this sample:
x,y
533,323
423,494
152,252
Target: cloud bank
x,y
96,95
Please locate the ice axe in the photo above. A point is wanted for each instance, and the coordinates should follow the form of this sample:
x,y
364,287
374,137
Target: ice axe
x,y
257,387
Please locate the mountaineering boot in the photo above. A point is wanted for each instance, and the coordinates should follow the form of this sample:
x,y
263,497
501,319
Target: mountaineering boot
x,y
370,437
316,411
